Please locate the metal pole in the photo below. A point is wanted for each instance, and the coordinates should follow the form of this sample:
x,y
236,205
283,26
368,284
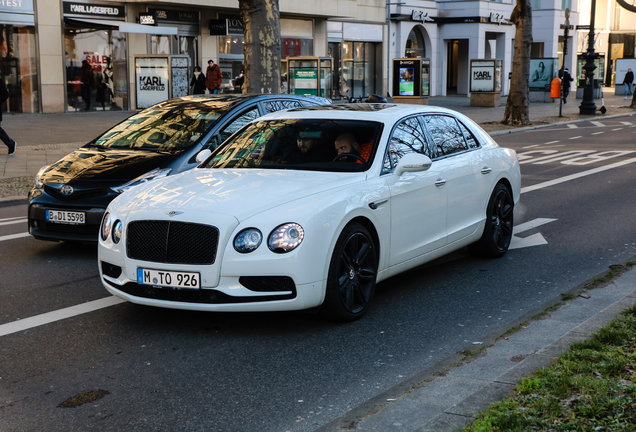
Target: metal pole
x,y
588,107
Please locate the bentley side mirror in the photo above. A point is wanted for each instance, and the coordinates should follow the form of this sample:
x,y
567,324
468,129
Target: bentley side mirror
x,y
413,162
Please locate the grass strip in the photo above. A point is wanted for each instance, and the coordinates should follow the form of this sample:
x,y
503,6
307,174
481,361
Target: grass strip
x,y
589,388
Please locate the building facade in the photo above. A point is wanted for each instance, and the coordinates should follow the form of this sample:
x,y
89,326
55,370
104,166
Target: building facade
x,y
44,44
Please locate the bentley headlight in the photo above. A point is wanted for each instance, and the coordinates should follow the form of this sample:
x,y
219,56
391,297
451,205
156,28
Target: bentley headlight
x,y
248,240
286,238
107,225
118,230
156,173
38,176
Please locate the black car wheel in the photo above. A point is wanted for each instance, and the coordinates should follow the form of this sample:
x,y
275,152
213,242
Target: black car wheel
x,y
497,234
352,275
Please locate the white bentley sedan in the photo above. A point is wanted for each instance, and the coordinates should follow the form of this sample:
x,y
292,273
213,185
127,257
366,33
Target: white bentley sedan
x,y
310,208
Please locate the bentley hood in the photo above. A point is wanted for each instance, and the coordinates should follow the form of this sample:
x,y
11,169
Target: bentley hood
x,y
238,193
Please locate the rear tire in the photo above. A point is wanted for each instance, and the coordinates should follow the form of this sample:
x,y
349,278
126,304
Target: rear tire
x,y
352,274
497,234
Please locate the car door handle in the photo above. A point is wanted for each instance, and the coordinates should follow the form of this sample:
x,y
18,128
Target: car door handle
x,y
376,204
486,170
440,182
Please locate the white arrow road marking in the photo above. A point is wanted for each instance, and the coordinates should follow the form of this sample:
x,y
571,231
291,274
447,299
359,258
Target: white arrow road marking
x,y
9,222
14,236
533,240
49,317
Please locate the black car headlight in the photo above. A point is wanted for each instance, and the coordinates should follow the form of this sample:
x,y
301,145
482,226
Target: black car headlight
x,y
118,230
285,238
107,225
248,240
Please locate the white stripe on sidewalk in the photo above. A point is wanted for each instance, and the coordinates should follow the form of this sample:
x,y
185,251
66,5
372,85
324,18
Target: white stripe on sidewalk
x,y
14,236
13,222
576,176
49,317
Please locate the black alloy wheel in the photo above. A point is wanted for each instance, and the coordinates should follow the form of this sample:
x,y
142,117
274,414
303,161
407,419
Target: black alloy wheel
x,y
497,234
352,275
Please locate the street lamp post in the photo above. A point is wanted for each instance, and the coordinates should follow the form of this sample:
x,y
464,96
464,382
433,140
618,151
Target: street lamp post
x,y
588,107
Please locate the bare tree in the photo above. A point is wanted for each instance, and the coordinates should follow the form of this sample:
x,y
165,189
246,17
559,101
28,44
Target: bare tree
x,y
261,23
517,111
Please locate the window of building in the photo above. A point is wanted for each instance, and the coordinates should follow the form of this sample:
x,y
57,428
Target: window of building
x,y
415,47
360,61
19,68
105,51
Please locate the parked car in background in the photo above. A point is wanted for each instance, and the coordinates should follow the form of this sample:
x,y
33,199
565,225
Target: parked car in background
x,y
70,196
310,208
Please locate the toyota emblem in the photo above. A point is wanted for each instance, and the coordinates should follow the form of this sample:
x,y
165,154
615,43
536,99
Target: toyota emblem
x,y
66,190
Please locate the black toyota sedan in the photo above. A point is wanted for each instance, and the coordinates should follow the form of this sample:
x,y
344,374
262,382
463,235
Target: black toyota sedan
x,y
70,196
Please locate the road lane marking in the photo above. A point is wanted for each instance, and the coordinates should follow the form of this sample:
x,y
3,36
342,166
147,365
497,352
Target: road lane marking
x,y
576,137
551,142
626,123
14,236
576,176
597,123
50,317
597,133
10,222
572,126
617,129
527,226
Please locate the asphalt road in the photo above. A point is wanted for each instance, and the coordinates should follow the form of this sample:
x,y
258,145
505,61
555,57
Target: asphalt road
x,y
156,369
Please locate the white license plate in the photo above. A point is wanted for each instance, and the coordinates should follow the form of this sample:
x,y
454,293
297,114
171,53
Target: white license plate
x,y
66,217
168,279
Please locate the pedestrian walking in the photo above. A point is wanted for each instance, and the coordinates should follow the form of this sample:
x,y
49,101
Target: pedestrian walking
x,y
197,83
88,80
238,82
4,95
566,79
213,77
628,82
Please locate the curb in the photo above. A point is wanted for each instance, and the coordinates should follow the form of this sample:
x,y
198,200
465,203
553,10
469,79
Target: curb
x,y
523,129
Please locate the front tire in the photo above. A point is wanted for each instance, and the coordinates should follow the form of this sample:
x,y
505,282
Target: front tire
x,y
495,240
352,275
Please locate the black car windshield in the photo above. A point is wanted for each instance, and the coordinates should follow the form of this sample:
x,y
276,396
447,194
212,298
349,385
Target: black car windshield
x,y
301,144
170,126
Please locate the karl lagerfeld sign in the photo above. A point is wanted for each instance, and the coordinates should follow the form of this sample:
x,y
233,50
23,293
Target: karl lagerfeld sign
x,y
152,80
104,10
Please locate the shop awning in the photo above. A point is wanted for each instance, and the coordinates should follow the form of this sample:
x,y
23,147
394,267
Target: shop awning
x,y
122,26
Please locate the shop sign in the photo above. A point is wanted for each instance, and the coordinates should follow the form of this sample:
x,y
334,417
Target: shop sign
x,y
98,62
482,76
176,15
233,25
497,18
93,9
218,27
420,16
152,80
16,5
147,19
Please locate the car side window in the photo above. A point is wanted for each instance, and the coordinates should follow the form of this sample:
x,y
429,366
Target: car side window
x,y
279,105
446,134
238,123
468,135
408,137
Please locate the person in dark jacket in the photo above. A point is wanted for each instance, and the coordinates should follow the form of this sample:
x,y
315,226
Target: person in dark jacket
x,y
213,77
88,81
566,79
197,83
4,95
628,81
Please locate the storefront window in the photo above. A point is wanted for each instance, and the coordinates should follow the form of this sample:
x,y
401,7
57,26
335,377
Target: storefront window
x,y
415,45
293,47
231,59
18,66
359,65
105,52
159,44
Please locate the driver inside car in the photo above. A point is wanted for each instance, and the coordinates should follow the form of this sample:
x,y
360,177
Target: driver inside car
x,y
346,143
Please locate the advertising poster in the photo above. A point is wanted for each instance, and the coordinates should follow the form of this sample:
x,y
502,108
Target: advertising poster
x,y
152,80
598,72
621,69
426,77
406,82
542,72
482,76
306,81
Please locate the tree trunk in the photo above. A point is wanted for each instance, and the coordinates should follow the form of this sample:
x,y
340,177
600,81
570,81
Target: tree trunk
x,y
261,23
517,106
